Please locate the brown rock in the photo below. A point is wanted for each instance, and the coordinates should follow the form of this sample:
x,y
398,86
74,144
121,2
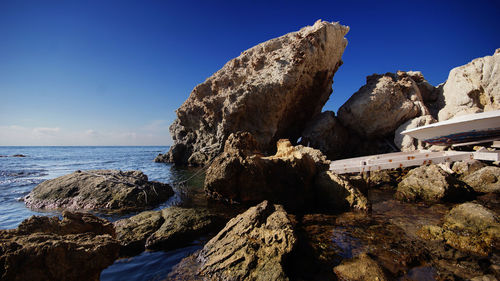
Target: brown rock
x,y
486,179
102,190
270,90
362,268
77,248
463,169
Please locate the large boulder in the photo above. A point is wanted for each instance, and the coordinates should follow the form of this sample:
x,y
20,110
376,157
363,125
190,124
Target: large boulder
x,y
471,88
324,132
167,229
431,184
78,247
468,227
270,90
407,143
101,190
290,177
486,179
252,246
378,108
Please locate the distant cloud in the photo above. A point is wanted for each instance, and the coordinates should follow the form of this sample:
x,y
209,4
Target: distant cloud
x,y
41,131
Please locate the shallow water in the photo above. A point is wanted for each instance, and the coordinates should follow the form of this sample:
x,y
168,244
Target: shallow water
x,y
19,175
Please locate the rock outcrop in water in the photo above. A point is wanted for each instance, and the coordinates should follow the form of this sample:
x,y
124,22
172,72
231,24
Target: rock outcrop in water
x,y
167,229
290,177
270,90
103,190
78,247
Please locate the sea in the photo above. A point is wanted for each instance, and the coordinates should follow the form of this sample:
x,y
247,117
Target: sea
x,y
19,175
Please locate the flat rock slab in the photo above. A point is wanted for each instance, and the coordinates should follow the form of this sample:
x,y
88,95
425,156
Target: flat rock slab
x,y
102,190
167,229
78,247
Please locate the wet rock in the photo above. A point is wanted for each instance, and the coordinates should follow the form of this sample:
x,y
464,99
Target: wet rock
x,y
78,247
462,168
407,143
382,105
339,193
471,88
103,190
252,246
270,90
468,227
167,229
326,133
290,177
486,179
488,277
19,155
431,184
362,268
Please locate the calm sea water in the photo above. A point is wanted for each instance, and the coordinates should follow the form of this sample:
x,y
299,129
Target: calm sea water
x,y
19,175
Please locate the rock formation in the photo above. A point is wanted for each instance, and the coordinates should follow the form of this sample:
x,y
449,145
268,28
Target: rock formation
x,y
102,190
360,269
431,184
252,246
78,247
471,88
290,177
469,227
407,143
167,229
382,105
270,90
486,179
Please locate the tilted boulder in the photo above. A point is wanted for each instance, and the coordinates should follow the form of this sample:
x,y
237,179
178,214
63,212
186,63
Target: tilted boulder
x,y
324,132
431,184
382,105
270,90
290,177
78,247
101,190
472,88
252,246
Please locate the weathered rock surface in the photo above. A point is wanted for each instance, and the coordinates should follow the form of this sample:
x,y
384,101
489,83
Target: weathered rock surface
x,y
382,105
431,184
362,268
469,227
463,169
78,247
486,179
407,143
339,193
290,177
252,246
326,133
471,88
167,229
103,190
270,90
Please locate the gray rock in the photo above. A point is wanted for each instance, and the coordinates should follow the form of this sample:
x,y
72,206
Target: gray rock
x,y
407,143
463,169
102,190
382,105
252,246
270,90
431,184
486,179
45,248
134,231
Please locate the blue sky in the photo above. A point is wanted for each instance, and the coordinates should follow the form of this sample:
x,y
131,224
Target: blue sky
x,y
113,72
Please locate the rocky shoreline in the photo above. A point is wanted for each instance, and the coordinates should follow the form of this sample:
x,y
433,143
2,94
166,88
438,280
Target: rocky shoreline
x,y
297,220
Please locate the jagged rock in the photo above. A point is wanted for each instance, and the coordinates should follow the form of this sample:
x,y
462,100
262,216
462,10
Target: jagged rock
x,y
428,92
462,168
468,227
103,190
362,268
382,105
431,184
167,229
471,88
78,247
486,179
290,177
339,193
407,143
252,246
270,90
326,133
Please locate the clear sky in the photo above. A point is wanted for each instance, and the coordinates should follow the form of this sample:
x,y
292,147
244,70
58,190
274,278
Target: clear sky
x,y
113,72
